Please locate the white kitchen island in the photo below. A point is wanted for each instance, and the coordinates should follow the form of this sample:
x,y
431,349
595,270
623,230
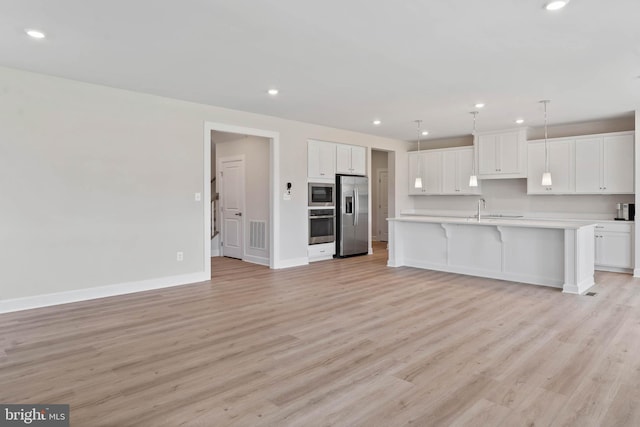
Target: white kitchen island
x,y
550,253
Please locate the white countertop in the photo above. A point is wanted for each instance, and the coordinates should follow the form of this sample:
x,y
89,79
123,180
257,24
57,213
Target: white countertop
x,y
503,222
533,216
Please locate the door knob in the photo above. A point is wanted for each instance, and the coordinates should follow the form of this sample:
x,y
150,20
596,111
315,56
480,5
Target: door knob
x,y
238,214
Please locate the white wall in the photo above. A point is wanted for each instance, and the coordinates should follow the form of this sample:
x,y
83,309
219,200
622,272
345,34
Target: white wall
x,y
256,155
98,184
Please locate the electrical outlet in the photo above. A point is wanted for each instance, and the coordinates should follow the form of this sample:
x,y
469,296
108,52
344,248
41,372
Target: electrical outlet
x,y
198,197
179,256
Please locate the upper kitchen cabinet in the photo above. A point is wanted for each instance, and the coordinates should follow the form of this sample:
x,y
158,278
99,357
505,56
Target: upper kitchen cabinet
x,y
502,154
351,159
457,166
561,165
442,172
321,159
604,164
427,165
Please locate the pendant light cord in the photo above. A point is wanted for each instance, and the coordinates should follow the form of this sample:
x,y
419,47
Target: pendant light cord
x,y
546,142
473,163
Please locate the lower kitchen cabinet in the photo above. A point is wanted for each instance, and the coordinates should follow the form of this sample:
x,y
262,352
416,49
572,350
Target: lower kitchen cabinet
x,y
321,251
614,246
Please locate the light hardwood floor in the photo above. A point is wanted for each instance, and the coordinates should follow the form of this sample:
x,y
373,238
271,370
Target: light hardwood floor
x,y
342,342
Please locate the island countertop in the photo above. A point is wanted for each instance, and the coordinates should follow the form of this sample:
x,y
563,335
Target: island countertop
x,y
503,222
555,253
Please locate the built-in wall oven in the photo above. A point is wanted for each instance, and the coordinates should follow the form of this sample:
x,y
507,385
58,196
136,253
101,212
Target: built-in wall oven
x,y
322,224
321,194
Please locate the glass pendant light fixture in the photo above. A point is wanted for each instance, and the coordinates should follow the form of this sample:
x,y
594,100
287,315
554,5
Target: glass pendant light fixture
x,y
473,179
418,181
546,176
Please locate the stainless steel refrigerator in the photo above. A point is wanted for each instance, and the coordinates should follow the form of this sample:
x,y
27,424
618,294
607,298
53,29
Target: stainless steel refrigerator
x,y
352,215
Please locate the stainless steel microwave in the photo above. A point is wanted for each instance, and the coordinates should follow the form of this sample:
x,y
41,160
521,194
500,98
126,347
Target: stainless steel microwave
x,y
322,194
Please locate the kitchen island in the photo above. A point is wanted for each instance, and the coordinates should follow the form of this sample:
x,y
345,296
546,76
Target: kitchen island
x,y
550,253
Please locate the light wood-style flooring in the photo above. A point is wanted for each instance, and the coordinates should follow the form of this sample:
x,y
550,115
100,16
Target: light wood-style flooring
x,y
336,343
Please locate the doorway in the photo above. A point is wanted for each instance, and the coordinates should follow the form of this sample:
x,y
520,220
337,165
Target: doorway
x,y
383,204
380,189
268,226
241,188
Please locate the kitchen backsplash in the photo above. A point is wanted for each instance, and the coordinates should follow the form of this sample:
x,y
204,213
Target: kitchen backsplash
x,y
510,196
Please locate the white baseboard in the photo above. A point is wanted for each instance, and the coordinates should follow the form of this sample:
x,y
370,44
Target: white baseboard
x,y
615,269
470,271
46,300
636,272
256,260
293,262
320,258
580,288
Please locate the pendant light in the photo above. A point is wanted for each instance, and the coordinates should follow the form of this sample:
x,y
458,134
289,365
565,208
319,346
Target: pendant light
x,y
546,176
473,179
418,182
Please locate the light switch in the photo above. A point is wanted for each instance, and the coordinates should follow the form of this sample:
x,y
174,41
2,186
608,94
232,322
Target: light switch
x,y
198,197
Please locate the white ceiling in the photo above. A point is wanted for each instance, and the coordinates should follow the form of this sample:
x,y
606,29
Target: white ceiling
x,y
343,63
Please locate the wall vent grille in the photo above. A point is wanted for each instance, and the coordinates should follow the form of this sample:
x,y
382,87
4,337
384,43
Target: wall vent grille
x,y
258,234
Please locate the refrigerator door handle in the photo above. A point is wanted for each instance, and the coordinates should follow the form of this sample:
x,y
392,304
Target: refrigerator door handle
x,y
357,206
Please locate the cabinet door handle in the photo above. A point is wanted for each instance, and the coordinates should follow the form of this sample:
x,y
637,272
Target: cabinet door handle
x,y
599,226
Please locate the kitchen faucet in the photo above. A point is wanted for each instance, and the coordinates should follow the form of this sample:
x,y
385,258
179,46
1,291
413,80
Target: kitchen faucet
x,y
481,203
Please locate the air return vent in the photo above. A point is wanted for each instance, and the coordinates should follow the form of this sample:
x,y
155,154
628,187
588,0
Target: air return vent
x,y
258,234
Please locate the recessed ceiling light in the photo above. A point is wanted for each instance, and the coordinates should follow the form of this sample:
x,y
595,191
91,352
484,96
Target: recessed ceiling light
x,y
377,122
479,105
520,121
272,91
36,34
556,5
425,132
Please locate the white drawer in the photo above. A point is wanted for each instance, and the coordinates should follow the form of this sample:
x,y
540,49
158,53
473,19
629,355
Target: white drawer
x,y
322,251
622,227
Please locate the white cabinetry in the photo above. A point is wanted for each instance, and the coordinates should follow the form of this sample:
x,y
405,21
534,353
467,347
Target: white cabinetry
x,y
614,246
351,159
457,166
416,166
320,252
325,159
502,154
604,164
443,171
589,164
561,165
428,166
321,159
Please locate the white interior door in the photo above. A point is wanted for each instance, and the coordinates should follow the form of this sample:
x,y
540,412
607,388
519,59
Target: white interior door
x,y
232,206
383,205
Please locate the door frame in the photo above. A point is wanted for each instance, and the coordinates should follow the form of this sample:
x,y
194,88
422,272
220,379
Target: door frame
x,y
219,162
274,179
386,190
